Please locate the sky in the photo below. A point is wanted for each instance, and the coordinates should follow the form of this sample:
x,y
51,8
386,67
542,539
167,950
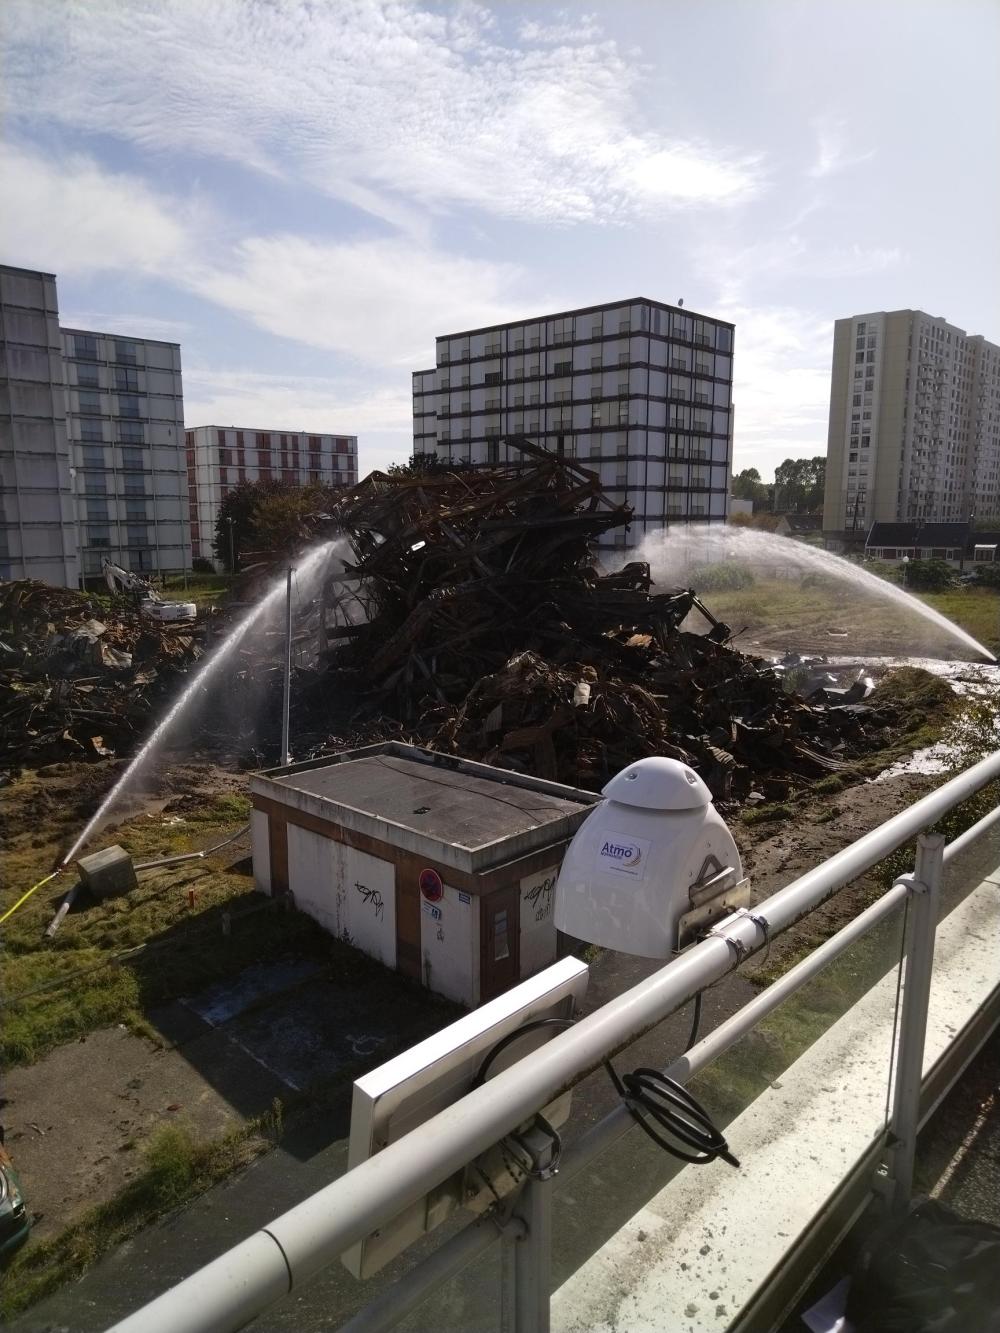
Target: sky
x,y
304,193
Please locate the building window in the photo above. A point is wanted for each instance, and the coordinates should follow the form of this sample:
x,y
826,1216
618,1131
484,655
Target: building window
x,y
128,406
87,378
91,432
491,377
125,353
90,404
563,367
126,379
85,347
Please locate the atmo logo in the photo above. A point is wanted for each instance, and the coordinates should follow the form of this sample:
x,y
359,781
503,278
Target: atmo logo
x,y
622,853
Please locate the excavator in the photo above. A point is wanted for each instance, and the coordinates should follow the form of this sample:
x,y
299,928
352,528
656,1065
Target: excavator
x,y
143,595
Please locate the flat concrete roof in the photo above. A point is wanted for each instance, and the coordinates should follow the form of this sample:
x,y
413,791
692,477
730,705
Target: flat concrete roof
x,y
461,813
454,807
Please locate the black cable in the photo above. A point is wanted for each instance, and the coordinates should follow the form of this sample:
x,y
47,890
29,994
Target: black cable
x,y
511,1037
650,1095
695,1022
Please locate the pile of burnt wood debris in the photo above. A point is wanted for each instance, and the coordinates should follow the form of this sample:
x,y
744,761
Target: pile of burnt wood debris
x,y
78,680
475,615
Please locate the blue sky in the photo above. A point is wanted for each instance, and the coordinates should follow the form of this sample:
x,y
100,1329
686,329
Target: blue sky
x,y
303,193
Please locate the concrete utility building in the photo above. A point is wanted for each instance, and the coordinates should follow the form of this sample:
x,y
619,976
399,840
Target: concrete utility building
x,y
441,868
914,428
219,457
38,531
125,418
638,390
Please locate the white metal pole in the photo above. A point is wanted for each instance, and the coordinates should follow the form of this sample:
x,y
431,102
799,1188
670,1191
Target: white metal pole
x,y
286,701
924,907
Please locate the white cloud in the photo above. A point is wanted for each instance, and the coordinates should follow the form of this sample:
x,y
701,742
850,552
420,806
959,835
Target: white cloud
x,y
781,388
379,300
567,27
380,102
737,269
75,214
832,152
140,325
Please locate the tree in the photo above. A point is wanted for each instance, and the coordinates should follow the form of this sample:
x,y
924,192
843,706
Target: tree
x,y
929,575
268,516
420,465
747,485
426,465
799,485
764,522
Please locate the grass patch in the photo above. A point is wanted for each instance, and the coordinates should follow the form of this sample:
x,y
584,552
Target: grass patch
x,y
176,1170
805,612
57,991
915,709
767,814
828,786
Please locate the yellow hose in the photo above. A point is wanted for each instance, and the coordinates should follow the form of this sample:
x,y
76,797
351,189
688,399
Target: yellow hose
x,y
25,896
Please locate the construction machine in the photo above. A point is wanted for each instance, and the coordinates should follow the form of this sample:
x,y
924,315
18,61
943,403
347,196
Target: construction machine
x,y
142,594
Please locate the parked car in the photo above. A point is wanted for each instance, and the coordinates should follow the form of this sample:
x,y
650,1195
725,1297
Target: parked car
x,y
14,1221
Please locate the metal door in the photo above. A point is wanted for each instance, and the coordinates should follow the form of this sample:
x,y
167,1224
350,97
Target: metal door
x,y
500,928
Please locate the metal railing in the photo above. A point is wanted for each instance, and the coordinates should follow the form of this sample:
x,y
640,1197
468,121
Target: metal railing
x,y
263,1269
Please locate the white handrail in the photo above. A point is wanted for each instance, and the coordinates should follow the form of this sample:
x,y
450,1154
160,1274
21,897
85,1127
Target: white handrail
x,y
225,1294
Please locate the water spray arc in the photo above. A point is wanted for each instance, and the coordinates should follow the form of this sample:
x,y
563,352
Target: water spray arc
x,y
681,549
306,570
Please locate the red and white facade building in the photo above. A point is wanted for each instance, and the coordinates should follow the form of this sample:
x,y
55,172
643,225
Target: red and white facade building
x,y
220,457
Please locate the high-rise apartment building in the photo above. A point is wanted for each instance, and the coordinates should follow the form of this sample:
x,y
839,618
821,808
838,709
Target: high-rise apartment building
x,y
220,457
125,417
914,428
38,534
637,390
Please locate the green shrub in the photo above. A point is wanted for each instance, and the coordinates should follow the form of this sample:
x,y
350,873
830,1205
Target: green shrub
x,y
928,575
728,576
200,565
987,576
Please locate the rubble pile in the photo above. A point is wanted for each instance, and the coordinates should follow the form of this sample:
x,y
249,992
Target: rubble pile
x,y
489,631
77,680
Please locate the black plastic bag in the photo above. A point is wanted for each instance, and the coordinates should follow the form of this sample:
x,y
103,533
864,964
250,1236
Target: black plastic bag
x,y
931,1272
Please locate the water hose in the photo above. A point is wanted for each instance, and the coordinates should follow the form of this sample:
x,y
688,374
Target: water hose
x,y
68,900
192,856
144,865
25,896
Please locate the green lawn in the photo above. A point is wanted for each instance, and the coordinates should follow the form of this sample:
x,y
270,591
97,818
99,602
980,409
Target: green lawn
x,y
832,616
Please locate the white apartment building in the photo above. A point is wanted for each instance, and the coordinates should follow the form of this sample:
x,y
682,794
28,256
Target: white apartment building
x,y
220,457
125,417
637,390
914,430
38,534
